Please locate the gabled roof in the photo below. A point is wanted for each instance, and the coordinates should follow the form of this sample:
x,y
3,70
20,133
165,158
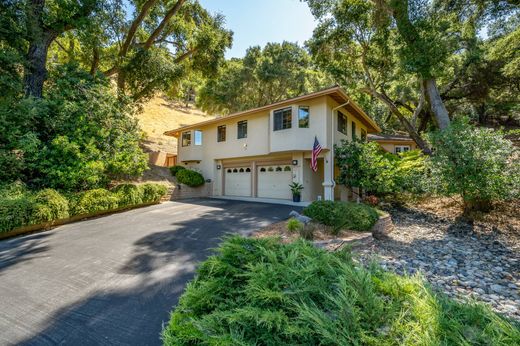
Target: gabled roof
x,y
380,137
335,92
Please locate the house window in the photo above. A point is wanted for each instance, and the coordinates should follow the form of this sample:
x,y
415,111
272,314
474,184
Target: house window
x,y
354,130
363,135
303,117
221,133
186,139
342,123
402,148
197,137
242,129
282,119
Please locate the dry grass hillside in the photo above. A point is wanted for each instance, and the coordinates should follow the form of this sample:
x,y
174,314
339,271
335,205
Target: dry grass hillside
x,y
161,114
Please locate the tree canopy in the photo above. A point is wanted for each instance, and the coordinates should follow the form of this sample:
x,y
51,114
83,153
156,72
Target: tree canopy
x,y
265,75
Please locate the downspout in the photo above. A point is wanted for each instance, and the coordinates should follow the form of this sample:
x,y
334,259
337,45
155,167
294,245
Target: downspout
x,y
333,132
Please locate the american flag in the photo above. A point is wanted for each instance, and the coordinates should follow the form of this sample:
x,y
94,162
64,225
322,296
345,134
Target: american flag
x,y
316,150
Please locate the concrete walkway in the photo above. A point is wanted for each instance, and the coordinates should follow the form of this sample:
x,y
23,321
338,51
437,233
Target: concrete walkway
x,y
113,280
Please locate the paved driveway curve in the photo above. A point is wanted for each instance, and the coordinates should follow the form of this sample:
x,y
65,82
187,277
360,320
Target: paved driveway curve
x,y
114,279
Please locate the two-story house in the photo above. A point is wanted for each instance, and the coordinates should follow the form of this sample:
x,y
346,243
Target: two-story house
x,y
257,153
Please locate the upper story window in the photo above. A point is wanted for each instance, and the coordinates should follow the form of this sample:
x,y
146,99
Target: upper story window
x,y
282,119
242,129
303,117
401,149
342,123
354,130
221,133
197,137
363,135
186,139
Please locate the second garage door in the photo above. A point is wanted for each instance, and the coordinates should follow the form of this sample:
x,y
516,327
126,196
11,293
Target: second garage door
x,y
273,181
238,182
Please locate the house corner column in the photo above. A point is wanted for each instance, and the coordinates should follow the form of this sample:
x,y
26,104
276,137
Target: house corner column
x,y
328,177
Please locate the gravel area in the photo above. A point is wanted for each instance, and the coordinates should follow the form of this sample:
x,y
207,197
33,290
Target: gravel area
x,y
460,259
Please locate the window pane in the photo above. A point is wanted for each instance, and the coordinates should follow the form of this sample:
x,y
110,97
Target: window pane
x,y
242,129
353,130
303,117
186,139
221,133
342,123
282,119
197,134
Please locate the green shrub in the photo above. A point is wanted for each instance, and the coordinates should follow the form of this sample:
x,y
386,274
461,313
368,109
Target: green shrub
x,y
152,192
262,292
15,212
343,215
307,231
175,169
477,163
128,194
93,201
190,178
293,225
49,205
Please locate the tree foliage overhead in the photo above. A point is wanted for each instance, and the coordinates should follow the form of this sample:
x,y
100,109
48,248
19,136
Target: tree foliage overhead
x,y
414,57
265,75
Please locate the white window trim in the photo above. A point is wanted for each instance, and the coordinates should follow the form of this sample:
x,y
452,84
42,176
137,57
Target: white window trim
x,y
401,148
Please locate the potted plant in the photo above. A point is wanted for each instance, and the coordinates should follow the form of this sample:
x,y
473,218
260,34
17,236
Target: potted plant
x,y
296,189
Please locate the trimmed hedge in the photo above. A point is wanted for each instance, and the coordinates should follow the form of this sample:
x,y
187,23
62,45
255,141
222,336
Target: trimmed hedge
x,y
190,178
176,169
343,215
20,207
262,292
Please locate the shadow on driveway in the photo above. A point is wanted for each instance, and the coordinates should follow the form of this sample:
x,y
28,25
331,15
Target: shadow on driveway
x,y
131,301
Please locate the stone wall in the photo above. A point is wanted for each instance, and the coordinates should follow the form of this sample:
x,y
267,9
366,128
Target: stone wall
x,y
181,191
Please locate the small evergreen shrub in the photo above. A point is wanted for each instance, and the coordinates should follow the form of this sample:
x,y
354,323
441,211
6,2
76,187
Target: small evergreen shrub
x,y
190,178
128,194
94,200
176,169
343,215
262,292
152,192
49,205
15,212
294,225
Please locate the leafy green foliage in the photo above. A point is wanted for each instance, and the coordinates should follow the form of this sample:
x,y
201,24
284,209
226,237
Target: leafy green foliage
x,y
263,76
49,205
128,194
258,291
190,177
294,225
343,215
21,207
368,166
175,169
93,201
477,163
81,136
152,192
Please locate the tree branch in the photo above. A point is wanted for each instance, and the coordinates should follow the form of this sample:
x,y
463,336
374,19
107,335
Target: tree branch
x,y
163,23
135,25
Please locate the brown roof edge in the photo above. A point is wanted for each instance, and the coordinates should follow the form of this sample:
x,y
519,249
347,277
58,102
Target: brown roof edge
x,y
324,92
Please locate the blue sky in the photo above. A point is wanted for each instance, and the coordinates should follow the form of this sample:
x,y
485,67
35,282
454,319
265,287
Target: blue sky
x,y
256,22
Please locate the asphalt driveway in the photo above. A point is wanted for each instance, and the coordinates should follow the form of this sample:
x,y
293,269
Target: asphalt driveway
x,y
113,280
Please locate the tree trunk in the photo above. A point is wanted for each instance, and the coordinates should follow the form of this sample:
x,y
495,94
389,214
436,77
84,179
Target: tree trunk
x,y
436,104
36,72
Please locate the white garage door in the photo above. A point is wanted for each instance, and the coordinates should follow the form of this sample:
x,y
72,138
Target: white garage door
x,y
273,181
237,181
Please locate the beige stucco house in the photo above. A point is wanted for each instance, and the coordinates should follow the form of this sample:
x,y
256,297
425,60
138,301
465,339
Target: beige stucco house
x,y
394,144
257,153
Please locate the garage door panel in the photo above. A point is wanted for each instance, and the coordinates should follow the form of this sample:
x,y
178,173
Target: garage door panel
x,y
273,181
238,182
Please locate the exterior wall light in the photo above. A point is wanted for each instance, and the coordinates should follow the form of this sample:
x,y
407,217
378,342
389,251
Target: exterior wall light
x,y
295,162
219,166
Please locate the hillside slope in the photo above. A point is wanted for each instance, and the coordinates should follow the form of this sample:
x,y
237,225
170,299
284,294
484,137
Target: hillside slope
x,y
161,114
